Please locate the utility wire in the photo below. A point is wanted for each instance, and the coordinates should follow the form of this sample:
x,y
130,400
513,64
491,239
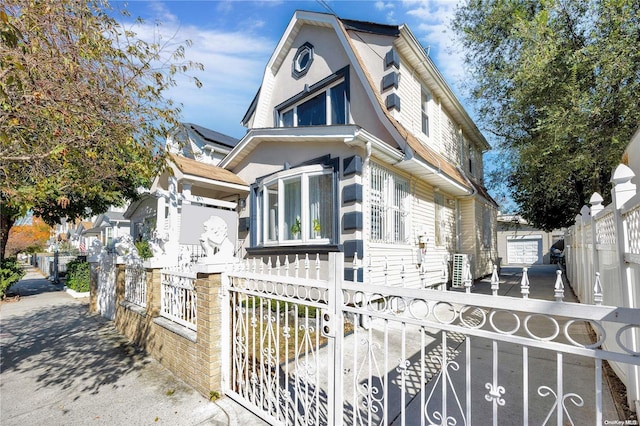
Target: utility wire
x,y
324,4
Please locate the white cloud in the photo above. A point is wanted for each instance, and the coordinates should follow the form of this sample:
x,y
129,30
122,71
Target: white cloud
x,y
432,28
381,5
233,66
161,12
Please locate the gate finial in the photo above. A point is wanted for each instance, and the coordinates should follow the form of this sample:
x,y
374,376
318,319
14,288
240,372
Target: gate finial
x,y
597,290
559,286
467,278
524,284
495,281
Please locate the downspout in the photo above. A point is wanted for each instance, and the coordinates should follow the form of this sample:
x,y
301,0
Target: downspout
x,y
365,196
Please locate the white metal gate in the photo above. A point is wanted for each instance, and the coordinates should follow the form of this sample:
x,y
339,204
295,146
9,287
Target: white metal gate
x,y
305,350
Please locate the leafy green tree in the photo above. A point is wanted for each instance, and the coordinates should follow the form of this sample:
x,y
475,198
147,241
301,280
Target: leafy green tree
x,y
83,108
556,84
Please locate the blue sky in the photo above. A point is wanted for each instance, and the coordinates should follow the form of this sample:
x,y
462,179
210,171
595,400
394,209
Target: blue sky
x,y
234,39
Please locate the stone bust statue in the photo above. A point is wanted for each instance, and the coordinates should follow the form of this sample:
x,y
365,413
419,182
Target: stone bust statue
x,y
215,242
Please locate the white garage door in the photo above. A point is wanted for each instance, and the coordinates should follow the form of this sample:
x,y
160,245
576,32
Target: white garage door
x,y
524,251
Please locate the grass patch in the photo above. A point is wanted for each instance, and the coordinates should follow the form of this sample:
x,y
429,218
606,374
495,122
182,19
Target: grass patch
x,y
292,328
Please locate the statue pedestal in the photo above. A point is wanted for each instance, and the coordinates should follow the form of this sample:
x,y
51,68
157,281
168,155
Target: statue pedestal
x,y
213,268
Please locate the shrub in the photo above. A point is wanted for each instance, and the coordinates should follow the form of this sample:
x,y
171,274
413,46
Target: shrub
x,y
10,273
144,249
78,275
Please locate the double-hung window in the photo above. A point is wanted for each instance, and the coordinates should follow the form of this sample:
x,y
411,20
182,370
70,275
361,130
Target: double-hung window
x,y
296,206
390,200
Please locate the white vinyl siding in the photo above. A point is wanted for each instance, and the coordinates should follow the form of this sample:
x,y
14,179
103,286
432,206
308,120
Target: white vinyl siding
x,y
422,225
487,229
450,143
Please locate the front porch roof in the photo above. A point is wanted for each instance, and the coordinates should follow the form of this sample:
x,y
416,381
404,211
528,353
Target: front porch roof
x,y
187,169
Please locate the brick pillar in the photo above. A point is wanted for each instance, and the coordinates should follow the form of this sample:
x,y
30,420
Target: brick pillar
x,y
93,287
209,333
120,282
153,292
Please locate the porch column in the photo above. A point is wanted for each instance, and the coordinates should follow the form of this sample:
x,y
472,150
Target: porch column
x,y
161,219
172,248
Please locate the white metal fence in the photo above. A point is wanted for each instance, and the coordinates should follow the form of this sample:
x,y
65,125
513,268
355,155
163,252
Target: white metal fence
x,y
303,350
178,298
135,285
603,255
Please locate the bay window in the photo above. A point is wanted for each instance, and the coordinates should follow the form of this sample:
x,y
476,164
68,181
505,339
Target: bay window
x,y
296,206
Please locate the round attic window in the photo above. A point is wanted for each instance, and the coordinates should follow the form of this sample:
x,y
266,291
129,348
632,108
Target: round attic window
x,y
303,59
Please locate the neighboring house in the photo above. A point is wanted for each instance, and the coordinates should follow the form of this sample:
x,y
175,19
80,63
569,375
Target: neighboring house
x,y
171,213
83,235
521,244
357,143
107,227
199,143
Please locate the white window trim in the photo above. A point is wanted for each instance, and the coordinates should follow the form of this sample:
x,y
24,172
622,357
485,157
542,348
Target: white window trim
x,y
294,107
280,178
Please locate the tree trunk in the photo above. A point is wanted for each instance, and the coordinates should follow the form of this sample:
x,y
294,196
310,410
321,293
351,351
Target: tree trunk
x,y
6,222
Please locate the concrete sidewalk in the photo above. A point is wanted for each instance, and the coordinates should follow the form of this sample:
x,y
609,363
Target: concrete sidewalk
x,y
61,365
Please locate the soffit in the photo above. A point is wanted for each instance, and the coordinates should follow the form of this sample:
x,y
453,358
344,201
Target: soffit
x,y
348,134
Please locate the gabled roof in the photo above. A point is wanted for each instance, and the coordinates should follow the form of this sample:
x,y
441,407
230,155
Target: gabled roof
x,y
420,159
208,136
83,228
194,168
